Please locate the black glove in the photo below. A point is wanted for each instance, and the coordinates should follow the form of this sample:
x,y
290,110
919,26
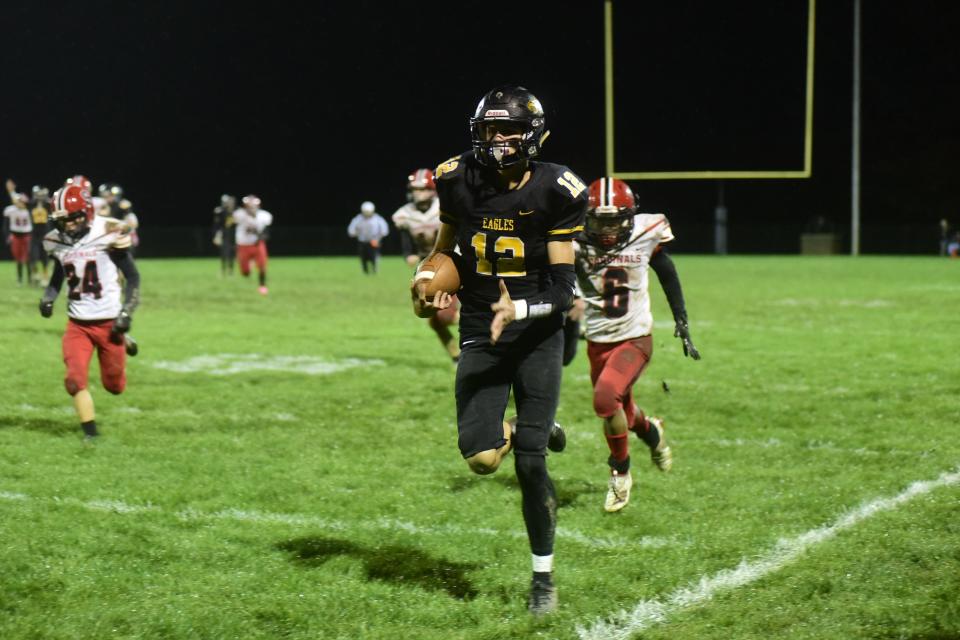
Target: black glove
x,y
682,331
46,308
122,323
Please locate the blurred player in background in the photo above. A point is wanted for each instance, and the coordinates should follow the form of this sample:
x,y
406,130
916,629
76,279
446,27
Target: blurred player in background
x,y
224,236
119,208
419,219
91,252
514,219
40,216
369,228
253,231
618,246
418,222
17,229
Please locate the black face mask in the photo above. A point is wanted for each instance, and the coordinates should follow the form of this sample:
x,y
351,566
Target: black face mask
x,y
80,230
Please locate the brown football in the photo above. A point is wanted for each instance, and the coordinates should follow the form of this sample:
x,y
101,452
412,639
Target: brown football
x,y
445,277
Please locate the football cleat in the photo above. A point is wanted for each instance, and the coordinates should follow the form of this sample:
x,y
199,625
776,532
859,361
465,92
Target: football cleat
x,y
557,441
131,345
661,454
618,491
543,596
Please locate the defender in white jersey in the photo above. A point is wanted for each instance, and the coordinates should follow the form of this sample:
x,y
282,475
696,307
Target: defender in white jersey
x,y
252,232
91,252
17,229
419,222
612,261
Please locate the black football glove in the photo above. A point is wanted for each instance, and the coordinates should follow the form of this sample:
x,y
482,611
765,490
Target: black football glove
x,y
682,331
46,308
122,323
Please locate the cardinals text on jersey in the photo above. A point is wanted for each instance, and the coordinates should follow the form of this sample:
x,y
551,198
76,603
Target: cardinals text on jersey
x,y
93,280
614,281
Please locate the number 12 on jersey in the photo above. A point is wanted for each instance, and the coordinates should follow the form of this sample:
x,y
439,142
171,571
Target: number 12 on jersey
x,y
508,252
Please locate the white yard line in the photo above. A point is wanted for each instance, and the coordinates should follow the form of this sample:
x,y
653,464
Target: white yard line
x,y
298,520
646,613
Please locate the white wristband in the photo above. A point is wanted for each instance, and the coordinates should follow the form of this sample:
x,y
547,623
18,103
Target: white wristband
x,y
520,309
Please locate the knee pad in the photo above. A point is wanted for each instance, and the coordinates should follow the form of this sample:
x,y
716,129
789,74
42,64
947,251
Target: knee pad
x,y
115,387
530,440
531,470
73,387
606,399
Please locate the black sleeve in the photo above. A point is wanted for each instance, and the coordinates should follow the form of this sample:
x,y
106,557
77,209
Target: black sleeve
x,y
56,281
126,265
666,272
6,226
556,299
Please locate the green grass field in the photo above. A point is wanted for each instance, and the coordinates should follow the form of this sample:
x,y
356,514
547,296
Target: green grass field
x,y
286,467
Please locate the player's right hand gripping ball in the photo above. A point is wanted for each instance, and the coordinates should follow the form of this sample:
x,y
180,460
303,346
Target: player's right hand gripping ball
x,y
437,273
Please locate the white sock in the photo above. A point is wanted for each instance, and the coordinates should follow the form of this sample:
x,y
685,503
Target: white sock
x,y
542,564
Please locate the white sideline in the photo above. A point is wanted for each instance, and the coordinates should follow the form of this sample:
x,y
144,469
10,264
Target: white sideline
x,y
622,625
293,519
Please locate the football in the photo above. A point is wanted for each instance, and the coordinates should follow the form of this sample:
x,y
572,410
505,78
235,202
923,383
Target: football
x,y
438,273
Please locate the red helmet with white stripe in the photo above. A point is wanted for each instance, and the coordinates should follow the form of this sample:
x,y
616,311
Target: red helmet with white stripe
x,y
610,212
72,203
421,188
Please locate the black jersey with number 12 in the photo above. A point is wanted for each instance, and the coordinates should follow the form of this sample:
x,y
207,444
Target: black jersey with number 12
x,y
504,234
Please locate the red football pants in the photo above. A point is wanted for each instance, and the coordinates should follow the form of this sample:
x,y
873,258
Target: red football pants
x,y
20,247
256,252
79,341
614,367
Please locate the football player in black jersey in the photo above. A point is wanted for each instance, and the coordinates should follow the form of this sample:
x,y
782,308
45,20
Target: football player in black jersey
x,y
513,218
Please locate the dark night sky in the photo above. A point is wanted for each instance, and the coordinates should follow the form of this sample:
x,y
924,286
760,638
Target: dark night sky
x,y
316,107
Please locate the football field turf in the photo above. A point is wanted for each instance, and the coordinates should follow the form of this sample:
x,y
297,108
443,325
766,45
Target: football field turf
x,y
286,467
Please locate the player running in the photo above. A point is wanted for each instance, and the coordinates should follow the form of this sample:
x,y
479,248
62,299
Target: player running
x,y
91,252
514,219
419,221
619,245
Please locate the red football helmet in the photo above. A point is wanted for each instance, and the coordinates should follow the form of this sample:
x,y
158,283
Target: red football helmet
x,y
421,189
81,181
610,212
72,203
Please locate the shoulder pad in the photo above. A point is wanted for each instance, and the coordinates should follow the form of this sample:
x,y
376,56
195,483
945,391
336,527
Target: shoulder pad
x,y
448,167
